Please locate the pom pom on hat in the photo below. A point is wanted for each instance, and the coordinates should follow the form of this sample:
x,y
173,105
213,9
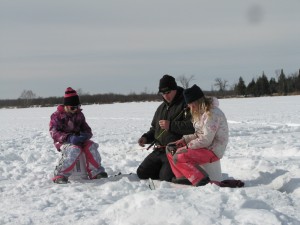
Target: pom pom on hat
x,y
71,97
167,83
192,94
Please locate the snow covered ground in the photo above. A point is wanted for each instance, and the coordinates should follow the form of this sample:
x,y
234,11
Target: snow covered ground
x,y
264,152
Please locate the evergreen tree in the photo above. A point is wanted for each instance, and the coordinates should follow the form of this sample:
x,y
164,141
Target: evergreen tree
x,y
251,88
282,84
265,85
293,83
273,86
240,88
262,85
259,87
298,82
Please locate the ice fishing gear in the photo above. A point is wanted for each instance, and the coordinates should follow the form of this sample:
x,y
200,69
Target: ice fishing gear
x,y
155,140
163,131
172,148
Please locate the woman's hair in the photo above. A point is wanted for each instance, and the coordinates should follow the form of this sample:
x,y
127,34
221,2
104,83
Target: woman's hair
x,y
204,105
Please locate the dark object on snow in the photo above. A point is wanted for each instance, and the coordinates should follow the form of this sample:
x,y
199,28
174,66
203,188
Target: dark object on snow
x,y
61,180
101,175
230,183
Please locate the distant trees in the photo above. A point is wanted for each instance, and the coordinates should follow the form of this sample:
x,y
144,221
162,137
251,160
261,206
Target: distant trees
x,y
264,87
251,88
27,96
85,99
281,85
297,80
221,84
273,86
240,88
185,81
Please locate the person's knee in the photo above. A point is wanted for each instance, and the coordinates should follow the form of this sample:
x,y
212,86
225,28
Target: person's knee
x,y
72,152
166,176
141,173
166,173
91,147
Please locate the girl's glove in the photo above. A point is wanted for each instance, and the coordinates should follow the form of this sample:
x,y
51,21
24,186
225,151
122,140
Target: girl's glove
x,y
180,143
78,139
84,136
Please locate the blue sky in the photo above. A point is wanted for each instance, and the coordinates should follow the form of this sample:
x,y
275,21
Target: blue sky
x,y
126,46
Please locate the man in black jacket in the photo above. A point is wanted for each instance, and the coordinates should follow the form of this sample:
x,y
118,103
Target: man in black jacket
x,y
171,120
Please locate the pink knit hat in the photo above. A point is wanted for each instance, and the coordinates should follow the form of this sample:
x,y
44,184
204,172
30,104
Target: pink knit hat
x,y
71,97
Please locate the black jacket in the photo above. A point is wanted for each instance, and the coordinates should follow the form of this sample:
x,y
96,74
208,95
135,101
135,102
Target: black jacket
x,y
179,117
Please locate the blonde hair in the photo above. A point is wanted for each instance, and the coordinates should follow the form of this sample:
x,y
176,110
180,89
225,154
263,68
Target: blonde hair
x,y
68,109
204,105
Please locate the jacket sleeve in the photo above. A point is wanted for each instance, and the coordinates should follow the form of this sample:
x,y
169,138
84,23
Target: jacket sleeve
x,y
183,125
205,134
85,128
151,133
56,130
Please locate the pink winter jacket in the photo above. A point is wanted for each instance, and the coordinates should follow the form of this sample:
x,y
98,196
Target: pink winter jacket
x,y
63,124
211,132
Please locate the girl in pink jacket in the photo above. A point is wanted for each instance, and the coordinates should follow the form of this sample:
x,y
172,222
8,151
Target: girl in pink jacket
x,y
71,135
206,145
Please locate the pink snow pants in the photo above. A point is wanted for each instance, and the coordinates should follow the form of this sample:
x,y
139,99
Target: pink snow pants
x,y
186,163
70,154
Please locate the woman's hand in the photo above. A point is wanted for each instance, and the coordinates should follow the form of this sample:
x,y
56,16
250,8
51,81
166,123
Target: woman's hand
x,y
180,143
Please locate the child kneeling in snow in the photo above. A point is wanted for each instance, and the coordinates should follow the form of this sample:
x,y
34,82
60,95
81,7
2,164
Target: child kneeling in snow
x,y
71,135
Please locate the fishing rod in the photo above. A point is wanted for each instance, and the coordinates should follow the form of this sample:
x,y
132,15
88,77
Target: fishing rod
x,y
153,142
163,131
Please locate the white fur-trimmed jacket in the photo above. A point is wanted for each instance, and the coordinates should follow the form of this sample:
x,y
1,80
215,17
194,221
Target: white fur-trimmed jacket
x,y
211,132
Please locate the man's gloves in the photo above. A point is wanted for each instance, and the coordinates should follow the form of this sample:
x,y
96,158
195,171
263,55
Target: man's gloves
x,y
142,141
78,139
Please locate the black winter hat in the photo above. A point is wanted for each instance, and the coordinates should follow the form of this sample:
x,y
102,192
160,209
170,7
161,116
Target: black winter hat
x,y
71,97
167,83
192,94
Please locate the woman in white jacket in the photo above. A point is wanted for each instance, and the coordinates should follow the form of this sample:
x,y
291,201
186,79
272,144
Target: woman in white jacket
x,y
206,145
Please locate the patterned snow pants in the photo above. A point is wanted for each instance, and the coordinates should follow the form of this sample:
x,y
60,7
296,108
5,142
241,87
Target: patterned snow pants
x,y
70,154
186,163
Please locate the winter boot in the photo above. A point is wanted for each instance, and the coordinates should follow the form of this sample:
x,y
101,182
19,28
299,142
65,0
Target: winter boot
x,y
181,180
203,182
61,180
101,175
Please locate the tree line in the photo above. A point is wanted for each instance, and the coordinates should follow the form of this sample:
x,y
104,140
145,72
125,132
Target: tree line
x,y
284,85
262,86
86,99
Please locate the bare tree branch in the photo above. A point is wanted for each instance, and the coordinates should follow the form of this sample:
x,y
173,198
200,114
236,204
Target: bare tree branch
x,y
185,81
